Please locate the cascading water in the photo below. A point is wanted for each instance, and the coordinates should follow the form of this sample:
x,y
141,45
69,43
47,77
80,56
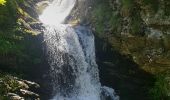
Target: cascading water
x,y
71,55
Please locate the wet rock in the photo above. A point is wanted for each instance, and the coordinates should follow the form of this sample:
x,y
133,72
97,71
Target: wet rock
x,y
27,84
19,89
13,96
40,6
23,85
32,84
108,94
28,94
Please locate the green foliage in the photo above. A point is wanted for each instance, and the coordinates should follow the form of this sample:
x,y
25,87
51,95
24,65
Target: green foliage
x,y
127,4
136,27
7,84
101,14
18,50
17,45
153,4
8,15
167,7
115,23
104,17
136,22
8,47
161,89
2,2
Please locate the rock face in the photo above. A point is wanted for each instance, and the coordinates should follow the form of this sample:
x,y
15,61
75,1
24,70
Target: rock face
x,y
132,44
80,13
14,88
41,5
13,96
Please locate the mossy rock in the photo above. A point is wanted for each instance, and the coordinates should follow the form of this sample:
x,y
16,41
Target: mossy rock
x,y
166,41
135,44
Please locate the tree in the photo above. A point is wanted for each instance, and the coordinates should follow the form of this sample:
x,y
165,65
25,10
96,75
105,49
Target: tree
x,y
2,2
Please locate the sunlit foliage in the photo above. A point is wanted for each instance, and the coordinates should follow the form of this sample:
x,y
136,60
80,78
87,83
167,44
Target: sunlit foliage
x,y
2,2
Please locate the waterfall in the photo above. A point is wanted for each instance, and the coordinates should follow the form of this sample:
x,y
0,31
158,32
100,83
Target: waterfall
x,y
71,55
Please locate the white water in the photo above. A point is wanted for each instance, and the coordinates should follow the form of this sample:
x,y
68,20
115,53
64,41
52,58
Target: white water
x,y
57,11
71,55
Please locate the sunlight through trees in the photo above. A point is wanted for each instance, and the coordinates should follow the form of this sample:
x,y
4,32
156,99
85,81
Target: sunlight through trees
x,y
2,2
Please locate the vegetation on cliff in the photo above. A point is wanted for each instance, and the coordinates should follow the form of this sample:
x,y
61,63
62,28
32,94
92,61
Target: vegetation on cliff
x,y
132,42
134,32
19,51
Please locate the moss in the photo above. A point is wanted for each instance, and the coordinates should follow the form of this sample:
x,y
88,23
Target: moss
x,y
152,55
100,14
8,15
166,42
152,4
104,18
7,84
115,23
19,52
127,4
161,88
167,7
17,41
136,25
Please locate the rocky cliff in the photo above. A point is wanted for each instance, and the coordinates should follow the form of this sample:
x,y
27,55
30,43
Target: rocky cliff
x,y
21,51
132,45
